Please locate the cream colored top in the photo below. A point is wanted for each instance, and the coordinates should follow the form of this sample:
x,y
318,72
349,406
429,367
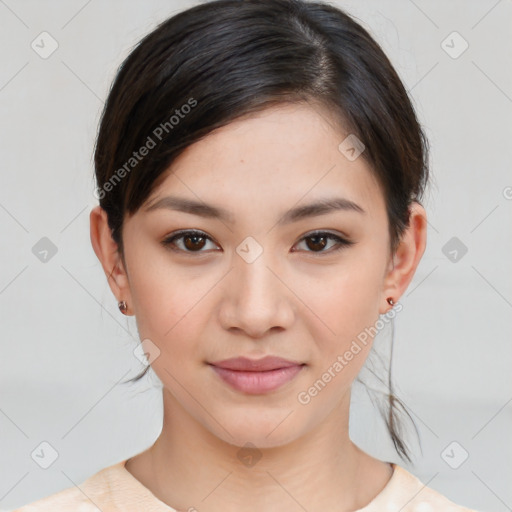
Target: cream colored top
x,y
115,489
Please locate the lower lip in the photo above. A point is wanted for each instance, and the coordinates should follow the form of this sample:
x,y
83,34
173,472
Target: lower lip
x,y
258,382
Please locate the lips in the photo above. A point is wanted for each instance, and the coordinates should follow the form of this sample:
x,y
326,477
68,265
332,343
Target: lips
x,y
244,364
257,376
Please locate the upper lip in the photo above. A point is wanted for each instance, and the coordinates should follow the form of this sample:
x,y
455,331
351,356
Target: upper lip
x,y
255,365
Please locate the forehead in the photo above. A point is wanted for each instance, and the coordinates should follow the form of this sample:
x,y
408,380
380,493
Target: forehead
x,y
281,155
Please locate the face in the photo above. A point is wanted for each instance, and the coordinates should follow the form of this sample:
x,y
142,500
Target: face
x,y
238,264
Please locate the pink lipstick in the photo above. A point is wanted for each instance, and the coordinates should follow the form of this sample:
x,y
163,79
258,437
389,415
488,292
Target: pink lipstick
x,y
256,376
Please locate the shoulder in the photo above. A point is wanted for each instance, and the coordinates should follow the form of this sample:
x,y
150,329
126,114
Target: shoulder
x,y
93,495
408,494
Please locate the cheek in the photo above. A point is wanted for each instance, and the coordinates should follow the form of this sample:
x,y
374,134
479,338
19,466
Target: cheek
x,y
349,292
169,312
166,299
344,302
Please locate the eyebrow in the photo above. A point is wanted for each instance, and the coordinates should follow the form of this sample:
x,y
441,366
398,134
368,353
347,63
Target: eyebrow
x,y
319,207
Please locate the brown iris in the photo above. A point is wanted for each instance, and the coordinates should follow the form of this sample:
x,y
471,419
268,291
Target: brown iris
x,y
191,242
316,245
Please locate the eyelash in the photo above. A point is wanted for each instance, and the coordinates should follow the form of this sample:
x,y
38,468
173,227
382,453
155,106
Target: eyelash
x,y
342,243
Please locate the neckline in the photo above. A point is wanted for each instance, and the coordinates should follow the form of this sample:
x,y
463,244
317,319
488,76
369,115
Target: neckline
x,y
145,493
380,499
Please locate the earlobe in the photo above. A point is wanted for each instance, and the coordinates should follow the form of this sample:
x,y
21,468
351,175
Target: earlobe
x,y
407,256
107,251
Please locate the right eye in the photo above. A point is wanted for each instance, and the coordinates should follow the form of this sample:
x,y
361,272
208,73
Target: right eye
x,y
187,241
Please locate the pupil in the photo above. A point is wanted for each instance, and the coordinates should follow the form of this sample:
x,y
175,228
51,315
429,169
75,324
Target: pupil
x,y
316,243
194,238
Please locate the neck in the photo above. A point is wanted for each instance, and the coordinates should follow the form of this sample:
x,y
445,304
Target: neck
x,y
190,468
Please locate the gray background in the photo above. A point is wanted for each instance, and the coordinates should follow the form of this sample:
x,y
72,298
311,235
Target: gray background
x,y
65,347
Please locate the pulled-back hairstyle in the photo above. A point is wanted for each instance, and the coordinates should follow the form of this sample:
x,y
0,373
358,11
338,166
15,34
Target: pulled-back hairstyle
x,y
213,63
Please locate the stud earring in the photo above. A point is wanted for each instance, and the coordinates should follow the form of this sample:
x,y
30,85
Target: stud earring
x,y
123,307
390,301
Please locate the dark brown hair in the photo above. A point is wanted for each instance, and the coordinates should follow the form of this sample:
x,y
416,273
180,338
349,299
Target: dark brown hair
x,y
218,61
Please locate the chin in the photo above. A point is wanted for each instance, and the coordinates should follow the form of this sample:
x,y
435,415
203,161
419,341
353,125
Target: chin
x,y
277,429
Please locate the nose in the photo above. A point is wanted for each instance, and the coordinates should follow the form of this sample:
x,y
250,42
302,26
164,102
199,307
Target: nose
x,y
256,299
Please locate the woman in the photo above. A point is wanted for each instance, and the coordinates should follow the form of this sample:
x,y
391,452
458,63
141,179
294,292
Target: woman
x,y
260,170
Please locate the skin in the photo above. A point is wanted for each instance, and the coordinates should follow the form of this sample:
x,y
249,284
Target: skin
x,y
297,300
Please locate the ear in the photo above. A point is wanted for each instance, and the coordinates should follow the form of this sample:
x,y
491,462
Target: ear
x,y
403,263
107,251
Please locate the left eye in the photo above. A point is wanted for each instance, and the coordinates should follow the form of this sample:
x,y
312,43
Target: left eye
x,y
318,241
195,241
